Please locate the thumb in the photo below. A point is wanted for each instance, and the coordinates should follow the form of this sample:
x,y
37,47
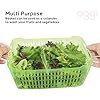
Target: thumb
x,y
92,47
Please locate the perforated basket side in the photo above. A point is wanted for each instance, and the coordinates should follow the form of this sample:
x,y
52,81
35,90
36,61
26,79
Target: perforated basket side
x,y
56,78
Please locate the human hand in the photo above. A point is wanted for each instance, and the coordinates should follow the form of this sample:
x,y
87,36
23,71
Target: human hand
x,y
95,52
4,49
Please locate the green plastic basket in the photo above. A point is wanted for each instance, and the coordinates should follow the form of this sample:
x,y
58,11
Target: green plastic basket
x,y
61,77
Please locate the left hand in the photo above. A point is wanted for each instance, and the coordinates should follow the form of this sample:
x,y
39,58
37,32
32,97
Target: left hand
x,y
4,49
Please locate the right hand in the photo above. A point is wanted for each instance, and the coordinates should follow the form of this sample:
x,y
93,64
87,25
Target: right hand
x,y
95,52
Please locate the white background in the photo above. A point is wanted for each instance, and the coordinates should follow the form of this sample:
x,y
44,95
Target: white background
x,y
77,17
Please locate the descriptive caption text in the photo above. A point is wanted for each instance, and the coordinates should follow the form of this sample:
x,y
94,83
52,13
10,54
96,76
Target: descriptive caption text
x,y
21,17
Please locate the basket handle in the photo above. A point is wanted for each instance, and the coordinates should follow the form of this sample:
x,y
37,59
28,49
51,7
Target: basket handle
x,y
45,63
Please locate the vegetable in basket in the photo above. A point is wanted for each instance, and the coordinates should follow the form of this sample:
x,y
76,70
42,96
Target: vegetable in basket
x,y
49,56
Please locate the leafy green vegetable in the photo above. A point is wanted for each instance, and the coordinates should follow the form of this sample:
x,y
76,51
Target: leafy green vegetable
x,y
48,56
22,64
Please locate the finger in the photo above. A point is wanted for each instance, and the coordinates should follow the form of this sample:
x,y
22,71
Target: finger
x,y
95,48
0,53
2,61
96,61
4,48
96,65
93,53
5,56
92,47
98,50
